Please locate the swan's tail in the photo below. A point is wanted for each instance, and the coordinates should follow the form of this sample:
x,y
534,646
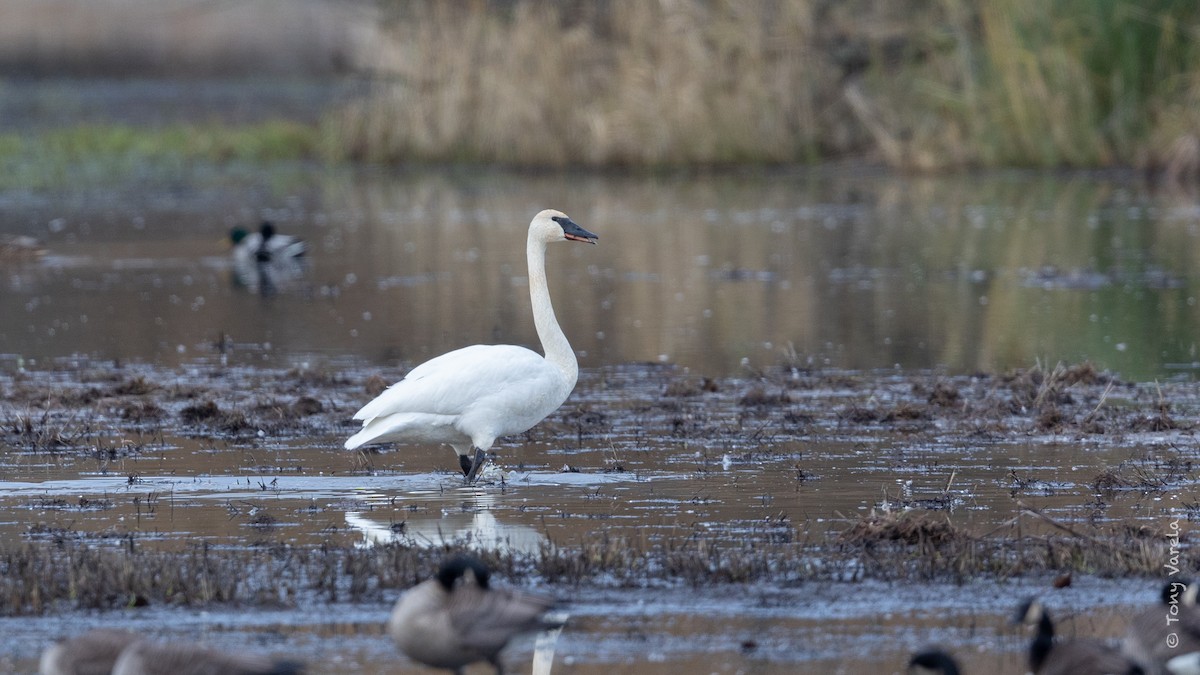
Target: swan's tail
x,y
366,435
404,427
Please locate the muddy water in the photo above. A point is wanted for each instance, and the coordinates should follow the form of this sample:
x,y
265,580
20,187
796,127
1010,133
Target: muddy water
x,y
658,462
845,271
820,267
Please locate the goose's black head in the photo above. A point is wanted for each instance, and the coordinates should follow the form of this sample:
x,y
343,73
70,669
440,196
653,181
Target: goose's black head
x,y
933,661
457,567
267,229
1179,592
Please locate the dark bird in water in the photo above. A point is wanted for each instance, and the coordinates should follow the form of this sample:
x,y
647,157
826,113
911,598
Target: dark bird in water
x,y
267,261
91,653
1165,639
149,658
1048,656
458,618
106,651
934,662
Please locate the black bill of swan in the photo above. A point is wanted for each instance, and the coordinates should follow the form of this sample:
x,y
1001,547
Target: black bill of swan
x,y
149,658
1048,656
90,653
458,618
469,397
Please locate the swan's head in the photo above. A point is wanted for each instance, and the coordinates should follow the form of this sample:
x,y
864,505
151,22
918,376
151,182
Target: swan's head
x,y
551,225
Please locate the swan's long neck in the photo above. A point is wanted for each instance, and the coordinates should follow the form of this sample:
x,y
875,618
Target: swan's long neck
x,y
554,342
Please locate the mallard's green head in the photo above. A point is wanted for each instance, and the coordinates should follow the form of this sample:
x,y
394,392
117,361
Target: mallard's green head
x,y
236,235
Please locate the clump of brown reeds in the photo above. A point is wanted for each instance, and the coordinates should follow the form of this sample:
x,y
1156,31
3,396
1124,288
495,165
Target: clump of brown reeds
x,y
914,528
596,84
693,82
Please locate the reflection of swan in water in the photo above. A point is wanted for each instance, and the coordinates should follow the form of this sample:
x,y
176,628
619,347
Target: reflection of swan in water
x,y
474,525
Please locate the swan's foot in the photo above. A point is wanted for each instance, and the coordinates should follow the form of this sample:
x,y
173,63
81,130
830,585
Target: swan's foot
x,y
471,468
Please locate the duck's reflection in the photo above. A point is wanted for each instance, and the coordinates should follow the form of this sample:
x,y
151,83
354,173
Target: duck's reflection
x,y
471,523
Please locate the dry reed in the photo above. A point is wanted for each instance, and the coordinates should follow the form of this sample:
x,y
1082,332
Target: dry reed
x,y
615,83
715,82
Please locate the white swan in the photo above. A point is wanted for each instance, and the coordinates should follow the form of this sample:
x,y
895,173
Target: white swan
x,y
469,397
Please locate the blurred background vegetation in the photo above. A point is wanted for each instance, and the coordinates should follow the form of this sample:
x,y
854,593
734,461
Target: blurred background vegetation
x,y
914,84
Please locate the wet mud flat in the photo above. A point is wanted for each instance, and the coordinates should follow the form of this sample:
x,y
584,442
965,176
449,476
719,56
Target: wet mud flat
x,y
779,521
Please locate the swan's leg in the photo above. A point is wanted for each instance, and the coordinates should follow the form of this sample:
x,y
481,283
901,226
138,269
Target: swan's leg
x,y
480,458
464,461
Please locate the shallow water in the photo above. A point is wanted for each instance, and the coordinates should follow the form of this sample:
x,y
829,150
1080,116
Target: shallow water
x,y
732,472
823,267
844,270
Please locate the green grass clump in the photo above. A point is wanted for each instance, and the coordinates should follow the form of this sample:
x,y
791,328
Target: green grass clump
x,y
97,152
268,141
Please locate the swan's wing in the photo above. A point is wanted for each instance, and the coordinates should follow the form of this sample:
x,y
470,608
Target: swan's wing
x,y
448,384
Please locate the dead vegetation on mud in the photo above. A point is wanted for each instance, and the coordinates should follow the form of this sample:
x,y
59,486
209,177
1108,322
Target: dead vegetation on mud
x,y
89,410
59,574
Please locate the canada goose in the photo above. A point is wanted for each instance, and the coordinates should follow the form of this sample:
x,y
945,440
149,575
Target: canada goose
x,y
469,397
1068,657
933,661
144,657
92,653
1165,639
457,618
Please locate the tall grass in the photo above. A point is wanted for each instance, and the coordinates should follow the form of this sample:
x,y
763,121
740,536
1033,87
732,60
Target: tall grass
x,y
623,82
927,85
1084,82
